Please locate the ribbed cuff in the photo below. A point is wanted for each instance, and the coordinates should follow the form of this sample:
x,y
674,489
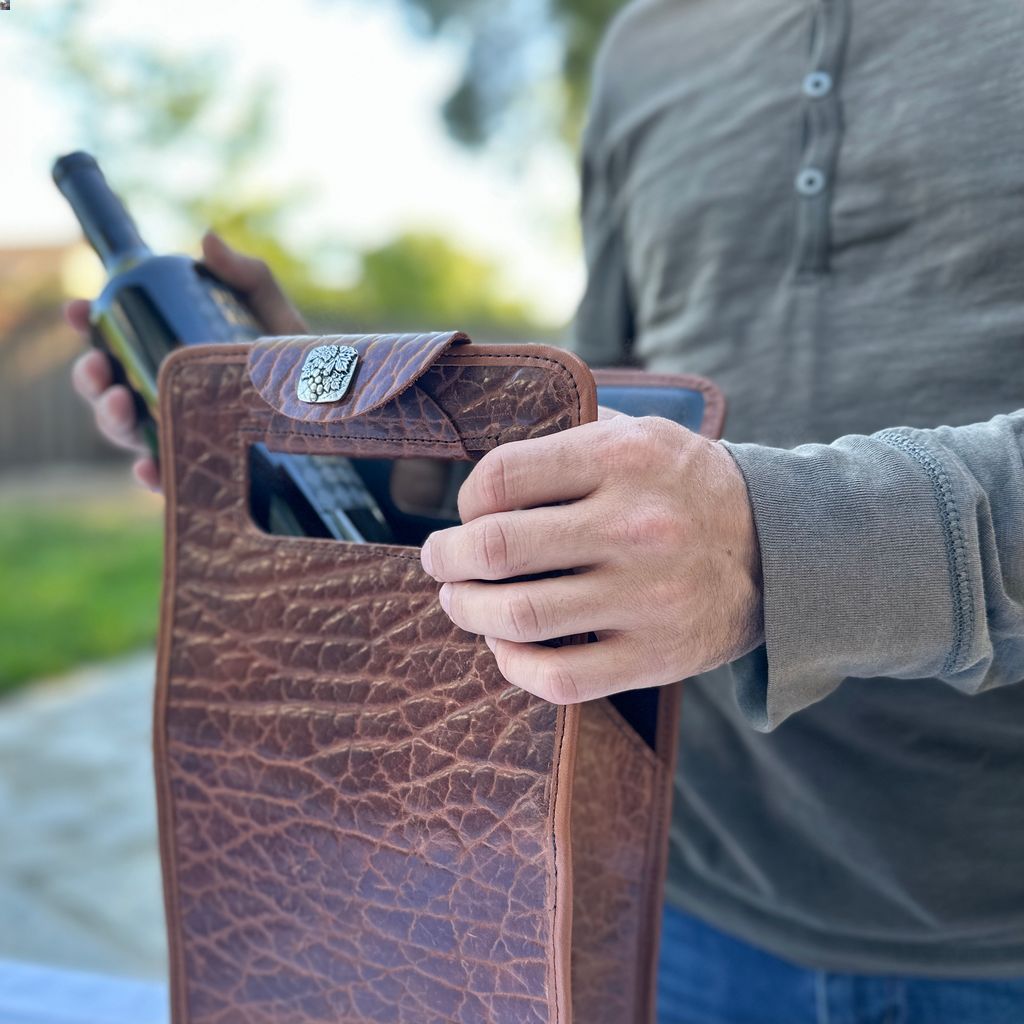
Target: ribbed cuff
x,y
864,557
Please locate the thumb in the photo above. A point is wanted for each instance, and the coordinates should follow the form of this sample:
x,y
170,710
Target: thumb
x,y
253,278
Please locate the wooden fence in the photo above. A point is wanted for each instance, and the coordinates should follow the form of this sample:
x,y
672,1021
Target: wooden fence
x,y
46,422
42,419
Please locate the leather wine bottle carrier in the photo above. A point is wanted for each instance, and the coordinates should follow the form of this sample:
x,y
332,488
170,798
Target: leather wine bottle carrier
x,y
360,819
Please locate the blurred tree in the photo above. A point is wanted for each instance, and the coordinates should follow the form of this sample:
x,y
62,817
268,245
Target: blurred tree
x,y
527,65
134,102
420,278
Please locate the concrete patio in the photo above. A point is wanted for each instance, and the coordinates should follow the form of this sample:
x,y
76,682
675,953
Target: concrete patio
x,y
79,871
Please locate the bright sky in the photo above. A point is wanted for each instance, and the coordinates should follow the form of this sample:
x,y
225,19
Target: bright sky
x,y
359,122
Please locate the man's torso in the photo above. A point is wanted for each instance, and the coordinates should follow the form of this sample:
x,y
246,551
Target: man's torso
x,y
840,257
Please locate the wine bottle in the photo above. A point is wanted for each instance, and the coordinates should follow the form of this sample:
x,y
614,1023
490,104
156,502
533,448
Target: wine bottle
x,y
153,303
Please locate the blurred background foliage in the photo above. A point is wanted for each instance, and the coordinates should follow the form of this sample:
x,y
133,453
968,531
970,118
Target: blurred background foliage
x,y
527,63
185,146
80,580
522,83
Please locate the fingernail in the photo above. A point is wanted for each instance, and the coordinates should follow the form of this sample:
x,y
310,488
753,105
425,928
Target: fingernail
x,y
425,560
444,595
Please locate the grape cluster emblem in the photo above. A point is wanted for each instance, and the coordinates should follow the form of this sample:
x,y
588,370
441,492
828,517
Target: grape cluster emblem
x,y
327,373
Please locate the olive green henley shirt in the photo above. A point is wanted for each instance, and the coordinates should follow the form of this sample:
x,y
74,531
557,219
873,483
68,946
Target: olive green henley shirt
x,y
820,205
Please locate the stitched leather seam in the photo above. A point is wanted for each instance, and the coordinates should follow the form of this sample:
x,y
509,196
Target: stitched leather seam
x,y
714,401
222,359
554,859
228,360
410,385
358,550
283,435
953,535
166,811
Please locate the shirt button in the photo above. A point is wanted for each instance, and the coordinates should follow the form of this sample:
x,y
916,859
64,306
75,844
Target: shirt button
x,y
817,84
810,182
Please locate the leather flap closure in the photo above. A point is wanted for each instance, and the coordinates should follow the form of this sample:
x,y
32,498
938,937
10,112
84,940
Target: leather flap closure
x,y
384,366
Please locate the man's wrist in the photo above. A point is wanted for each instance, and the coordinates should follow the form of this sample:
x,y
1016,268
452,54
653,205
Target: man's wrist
x,y
748,610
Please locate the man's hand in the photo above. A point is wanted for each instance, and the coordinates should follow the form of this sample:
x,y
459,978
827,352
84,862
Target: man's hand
x,y
659,531
112,403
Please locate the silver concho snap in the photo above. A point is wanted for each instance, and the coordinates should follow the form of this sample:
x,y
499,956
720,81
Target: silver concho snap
x,y
327,373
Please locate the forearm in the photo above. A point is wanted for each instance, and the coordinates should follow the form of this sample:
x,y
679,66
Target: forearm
x,y
892,555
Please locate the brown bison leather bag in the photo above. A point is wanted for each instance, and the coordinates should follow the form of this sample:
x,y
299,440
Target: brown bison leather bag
x,y
360,819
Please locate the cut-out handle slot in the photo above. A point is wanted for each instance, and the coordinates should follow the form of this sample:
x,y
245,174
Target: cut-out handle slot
x,y
382,501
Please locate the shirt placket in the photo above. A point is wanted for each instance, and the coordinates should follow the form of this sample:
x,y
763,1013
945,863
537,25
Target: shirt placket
x,y
814,180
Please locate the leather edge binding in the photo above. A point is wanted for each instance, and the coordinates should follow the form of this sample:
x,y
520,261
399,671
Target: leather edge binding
x,y
177,990
713,420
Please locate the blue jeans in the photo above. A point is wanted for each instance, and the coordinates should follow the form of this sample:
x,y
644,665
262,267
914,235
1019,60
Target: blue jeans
x,y
706,977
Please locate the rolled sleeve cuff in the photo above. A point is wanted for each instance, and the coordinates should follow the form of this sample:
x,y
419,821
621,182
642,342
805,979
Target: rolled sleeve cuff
x,y
862,555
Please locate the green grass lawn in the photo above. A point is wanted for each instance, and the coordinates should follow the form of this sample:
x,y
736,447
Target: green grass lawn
x,y
79,581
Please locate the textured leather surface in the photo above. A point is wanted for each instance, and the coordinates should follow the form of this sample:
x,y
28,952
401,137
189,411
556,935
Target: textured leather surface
x,y
360,819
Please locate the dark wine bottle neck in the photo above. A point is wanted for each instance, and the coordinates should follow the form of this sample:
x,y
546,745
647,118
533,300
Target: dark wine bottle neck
x,y
107,225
